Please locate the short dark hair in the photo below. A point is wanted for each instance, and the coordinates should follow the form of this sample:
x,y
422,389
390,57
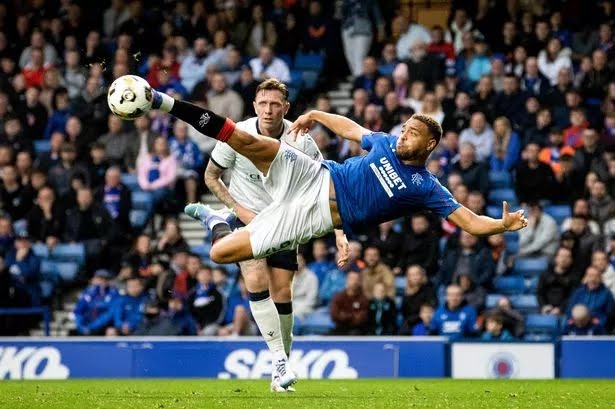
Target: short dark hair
x,y
434,127
273,84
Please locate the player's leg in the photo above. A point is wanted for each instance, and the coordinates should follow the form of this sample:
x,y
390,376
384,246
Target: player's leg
x,y
259,149
282,271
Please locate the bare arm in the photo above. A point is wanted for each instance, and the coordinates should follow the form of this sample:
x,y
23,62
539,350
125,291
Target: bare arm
x,y
213,181
484,225
340,125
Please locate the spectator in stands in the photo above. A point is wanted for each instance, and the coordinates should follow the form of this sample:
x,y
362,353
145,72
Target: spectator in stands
x,y
231,67
553,151
350,307
25,267
506,146
460,25
541,236
121,147
195,65
533,82
37,42
419,247
438,46
388,242
476,202
117,199
494,329
468,258
594,84
14,135
358,18
318,30
587,242
90,106
557,283
539,133
581,207
590,152
35,69
16,199
459,120
573,135
594,294
388,60
321,263
473,294
93,311
601,205
582,323
424,66
189,158
62,173
266,65
417,33
305,290
500,254
224,100
474,173
376,271
171,240
158,172
381,89
205,302
238,319
335,278
45,218
368,77
35,113
535,180
382,314
90,223
600,261
7,236
423,327
97,165
514,322
246,86
418,292
175,320
73,73
128,310
454,319
510,101
553,58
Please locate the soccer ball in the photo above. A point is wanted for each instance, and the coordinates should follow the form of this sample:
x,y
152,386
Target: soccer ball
x,y
129,97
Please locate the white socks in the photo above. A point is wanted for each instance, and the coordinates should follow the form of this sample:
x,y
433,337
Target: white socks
x,y
286,326
266,317
167,102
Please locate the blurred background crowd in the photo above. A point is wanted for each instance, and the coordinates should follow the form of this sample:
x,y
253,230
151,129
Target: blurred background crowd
x,y
524,90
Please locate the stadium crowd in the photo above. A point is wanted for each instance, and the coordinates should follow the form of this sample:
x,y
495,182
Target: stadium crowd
x,y
524,90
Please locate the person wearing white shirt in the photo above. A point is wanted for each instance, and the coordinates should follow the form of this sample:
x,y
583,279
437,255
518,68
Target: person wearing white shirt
x,y
194,67
415,33
553,59
479,134
268,66
305,290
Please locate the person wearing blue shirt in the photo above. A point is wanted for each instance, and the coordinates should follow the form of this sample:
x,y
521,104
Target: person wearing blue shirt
x,y
189,158
595,295
93,312
129,310
423,327
321,264
582,323
25,267
454,319
506,146
310,199
61,112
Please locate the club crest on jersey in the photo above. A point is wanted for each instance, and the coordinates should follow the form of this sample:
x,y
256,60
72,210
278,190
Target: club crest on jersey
x,y
204,119
417,179
290,155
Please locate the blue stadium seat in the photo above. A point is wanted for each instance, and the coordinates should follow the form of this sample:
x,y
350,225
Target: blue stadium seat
x,y
512,246
69,252
497,196
319,323
530,266
142,200
201,250
494,211
67,271
20,226
510,285
525,303
131,181
539,324
538,337
400,285
287,59
500,180
305,61
492,300
49,282
310,79
296,79
558,212
531,285
41,250
42,146
293,94
138,218
511,236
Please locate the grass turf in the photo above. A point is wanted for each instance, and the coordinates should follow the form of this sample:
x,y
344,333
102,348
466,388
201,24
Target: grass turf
x,y
338,394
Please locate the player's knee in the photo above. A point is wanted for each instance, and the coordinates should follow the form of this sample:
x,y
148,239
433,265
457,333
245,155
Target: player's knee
x,y
281,293
218,255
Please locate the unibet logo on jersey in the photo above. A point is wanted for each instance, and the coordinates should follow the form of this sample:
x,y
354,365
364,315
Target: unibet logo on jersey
x,y
313,364
32,363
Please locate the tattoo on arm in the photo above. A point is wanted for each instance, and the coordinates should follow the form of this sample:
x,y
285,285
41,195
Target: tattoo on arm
x,y
213,180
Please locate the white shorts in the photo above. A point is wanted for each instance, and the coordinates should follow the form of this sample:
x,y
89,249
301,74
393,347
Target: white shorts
x,y
300,209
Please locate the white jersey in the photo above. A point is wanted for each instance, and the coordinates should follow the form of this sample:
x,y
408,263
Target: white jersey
x,y
246,185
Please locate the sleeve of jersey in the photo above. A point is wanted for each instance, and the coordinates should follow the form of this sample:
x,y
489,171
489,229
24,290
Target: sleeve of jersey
x,y
441,201
369,140
311,149
223,155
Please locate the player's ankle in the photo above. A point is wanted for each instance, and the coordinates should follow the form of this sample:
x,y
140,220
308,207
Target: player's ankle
x,y
162,101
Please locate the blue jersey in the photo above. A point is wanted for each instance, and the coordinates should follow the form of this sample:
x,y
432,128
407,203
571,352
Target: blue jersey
x,y
379,187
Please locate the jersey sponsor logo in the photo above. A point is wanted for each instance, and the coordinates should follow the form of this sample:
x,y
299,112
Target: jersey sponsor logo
x,y
254,177
204,119
32,363
312,364
387,176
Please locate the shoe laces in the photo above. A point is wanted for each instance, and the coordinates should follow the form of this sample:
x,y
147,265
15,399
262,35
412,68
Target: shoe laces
x,y
280,367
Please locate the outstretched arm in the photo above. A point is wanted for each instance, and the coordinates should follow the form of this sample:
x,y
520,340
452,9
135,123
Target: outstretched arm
x,y
484,225
340,125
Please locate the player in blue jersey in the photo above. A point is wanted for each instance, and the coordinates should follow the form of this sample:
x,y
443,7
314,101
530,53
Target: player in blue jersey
x,y
310,199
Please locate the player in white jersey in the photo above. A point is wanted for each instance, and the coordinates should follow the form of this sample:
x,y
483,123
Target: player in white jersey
x,y
268,280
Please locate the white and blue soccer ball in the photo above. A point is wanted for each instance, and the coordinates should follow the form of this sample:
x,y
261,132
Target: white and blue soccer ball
x,y
129,97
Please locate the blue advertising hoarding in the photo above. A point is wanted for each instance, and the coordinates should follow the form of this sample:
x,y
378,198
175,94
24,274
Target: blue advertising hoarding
x,y
312,357
587,357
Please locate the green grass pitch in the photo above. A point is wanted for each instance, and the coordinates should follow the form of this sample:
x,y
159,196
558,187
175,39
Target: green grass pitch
x,y
338,394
